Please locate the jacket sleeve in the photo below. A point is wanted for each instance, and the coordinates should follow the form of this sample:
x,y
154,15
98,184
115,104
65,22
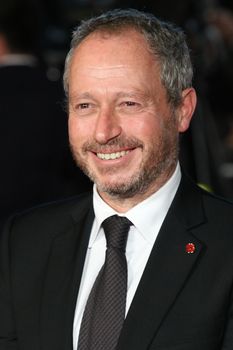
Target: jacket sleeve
x,y
8,336
228,334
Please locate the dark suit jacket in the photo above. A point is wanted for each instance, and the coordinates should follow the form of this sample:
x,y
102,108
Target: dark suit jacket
x,y
183,302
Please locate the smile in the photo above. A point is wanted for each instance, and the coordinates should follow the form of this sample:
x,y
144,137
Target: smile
x,y
109,156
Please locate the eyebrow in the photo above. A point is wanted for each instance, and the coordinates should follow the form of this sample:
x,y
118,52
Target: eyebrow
x,y
85,95
135,93
121,94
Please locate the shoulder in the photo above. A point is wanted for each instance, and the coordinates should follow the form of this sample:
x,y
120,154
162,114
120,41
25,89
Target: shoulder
x,y
199,205
219,213
50,218
190,188
214,204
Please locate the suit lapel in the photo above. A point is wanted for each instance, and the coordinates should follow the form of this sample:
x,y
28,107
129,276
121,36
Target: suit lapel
x,y
64,270
166,272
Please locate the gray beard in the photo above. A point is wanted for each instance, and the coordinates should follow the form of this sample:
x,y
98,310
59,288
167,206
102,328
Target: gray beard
x,y
156,166
140,182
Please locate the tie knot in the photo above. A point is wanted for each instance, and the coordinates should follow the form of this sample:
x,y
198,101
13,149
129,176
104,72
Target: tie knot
x,y
116,230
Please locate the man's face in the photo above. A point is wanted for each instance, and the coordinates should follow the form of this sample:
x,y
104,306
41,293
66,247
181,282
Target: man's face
x,y
123,132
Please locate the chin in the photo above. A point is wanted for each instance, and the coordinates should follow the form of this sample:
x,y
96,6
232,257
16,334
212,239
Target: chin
x,y
126,188
111,186
114,180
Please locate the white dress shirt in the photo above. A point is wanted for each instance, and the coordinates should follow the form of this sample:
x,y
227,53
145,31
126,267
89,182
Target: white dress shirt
x,y
147,218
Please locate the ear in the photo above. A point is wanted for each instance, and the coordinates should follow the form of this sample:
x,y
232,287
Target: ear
x,y
186,109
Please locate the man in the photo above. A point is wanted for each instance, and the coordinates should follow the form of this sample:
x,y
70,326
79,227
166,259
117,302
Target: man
x,y
128,81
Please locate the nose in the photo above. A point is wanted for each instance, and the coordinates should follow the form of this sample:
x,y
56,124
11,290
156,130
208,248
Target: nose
x,y
107,126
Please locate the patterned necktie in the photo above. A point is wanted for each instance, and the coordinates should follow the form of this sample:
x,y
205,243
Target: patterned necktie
x,y
105,308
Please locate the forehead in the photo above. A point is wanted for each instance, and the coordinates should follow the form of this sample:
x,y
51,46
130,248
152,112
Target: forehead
x,y
115,48
114,62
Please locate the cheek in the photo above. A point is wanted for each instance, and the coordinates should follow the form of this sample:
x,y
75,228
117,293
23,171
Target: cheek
x,y
72,129
144,129
78,131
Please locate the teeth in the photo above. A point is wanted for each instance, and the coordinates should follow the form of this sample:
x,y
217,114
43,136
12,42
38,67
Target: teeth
x,y
107,156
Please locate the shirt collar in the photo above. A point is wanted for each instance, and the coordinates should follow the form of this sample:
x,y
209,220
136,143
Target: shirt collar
x,y
146,216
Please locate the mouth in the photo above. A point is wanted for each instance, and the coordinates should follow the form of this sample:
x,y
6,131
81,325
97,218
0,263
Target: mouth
x,y
112,155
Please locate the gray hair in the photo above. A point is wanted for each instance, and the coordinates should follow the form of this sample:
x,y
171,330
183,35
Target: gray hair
x,y
165,41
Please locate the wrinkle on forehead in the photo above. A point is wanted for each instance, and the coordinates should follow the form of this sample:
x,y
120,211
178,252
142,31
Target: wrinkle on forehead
x,y
102,72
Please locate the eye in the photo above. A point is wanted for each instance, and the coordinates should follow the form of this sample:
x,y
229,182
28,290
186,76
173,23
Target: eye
x,y
84,108
130,106
83,105
130,103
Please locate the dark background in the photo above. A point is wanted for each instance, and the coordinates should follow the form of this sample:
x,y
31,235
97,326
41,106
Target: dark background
x,y
44,27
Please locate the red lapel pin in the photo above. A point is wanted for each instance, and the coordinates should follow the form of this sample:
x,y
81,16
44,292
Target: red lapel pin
x,y
190,248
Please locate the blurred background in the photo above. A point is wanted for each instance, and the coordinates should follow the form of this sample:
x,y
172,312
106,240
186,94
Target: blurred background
x,y
36,165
